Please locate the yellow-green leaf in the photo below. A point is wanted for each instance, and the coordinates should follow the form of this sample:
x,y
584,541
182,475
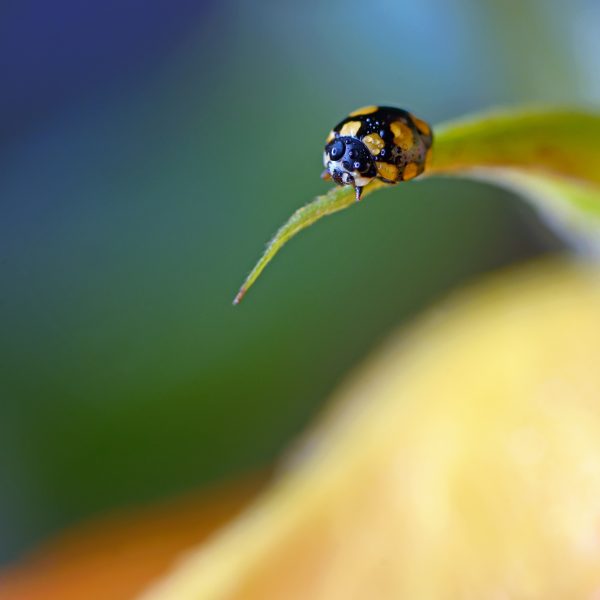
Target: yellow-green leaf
x,y
552,157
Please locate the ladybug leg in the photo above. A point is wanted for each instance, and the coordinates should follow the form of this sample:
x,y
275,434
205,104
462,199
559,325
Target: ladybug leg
x,y
358,191
325,176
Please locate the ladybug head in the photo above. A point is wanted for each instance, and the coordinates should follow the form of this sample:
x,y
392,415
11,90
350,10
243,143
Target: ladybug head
x,y
349,162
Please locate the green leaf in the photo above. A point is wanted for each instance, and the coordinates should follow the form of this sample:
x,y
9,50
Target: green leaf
x,y
551,157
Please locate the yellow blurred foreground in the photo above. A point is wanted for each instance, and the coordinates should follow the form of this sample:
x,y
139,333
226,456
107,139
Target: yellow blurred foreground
x,y
461,462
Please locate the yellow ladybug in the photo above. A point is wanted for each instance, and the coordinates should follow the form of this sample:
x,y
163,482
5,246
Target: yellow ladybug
x,y
376,142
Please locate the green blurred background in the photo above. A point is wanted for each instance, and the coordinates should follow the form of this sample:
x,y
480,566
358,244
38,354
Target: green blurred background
x,y
148,150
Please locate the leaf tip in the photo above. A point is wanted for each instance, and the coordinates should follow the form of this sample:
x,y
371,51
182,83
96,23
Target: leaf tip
x,y
240,295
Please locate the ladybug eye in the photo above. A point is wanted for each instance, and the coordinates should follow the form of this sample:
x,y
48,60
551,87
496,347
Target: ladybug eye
x,y
337,150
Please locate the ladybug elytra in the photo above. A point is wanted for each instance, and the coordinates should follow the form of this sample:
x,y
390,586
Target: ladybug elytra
x,y
380,142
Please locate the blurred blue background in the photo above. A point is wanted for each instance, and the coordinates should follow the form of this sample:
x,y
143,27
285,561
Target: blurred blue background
x,y
148,149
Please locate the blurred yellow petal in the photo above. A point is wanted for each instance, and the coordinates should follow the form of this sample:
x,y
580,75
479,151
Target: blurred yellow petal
x,y
462,461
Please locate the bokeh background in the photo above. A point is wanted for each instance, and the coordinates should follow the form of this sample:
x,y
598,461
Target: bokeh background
x,y
148,149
